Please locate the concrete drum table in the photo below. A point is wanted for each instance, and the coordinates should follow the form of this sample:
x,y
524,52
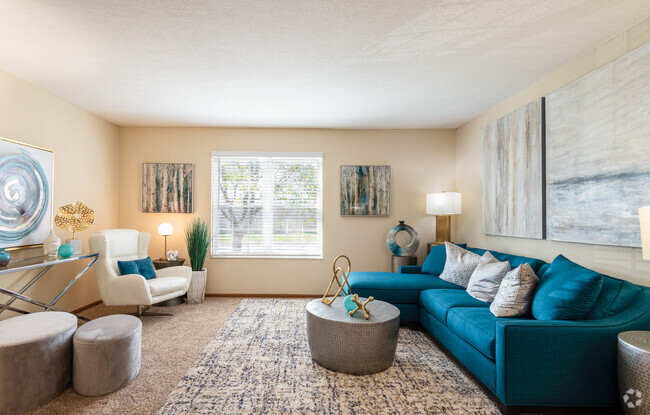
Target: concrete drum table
x,y
352,344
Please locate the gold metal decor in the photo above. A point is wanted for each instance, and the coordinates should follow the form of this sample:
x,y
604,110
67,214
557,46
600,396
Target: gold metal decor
x,y
75,217
361,306
335,278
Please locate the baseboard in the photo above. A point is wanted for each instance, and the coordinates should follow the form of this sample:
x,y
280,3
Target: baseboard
x,y
87,306
265,295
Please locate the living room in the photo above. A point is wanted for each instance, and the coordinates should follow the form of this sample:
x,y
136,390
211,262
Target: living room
x,y
109,87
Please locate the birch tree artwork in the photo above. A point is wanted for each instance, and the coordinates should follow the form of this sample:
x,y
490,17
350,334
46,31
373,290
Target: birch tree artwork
x,y
365,190
167,187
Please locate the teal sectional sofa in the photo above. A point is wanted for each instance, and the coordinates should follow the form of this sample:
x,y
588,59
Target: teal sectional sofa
x,y
523,361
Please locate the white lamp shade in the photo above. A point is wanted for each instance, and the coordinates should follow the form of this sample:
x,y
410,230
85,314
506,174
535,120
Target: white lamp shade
x,y
165,229
445,203
644,217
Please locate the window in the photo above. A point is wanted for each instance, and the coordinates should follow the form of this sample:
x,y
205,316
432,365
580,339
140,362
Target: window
x,y
267,204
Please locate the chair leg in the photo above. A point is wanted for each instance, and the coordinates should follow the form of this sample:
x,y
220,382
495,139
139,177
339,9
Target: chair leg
x,y
141,310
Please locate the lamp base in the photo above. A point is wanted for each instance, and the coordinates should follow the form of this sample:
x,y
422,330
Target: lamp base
x,y
443,228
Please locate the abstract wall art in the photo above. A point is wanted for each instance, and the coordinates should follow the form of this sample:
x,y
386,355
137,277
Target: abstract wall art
x,y
167,187
365,190
25,194
598,153
513,179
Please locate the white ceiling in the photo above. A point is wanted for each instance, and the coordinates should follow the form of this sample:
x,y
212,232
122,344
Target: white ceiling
x,y
299,63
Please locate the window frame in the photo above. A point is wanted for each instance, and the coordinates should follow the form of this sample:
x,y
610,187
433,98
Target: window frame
x,y
267,154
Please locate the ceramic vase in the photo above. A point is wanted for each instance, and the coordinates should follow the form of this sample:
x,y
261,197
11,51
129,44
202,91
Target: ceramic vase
x,y
4,258
51,245
196,291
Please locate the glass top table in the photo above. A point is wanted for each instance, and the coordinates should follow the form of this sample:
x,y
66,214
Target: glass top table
x,y
44,264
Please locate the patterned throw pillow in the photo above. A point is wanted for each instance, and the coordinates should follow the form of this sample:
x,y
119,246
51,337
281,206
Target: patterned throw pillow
x,y
459,265
516,292
486,278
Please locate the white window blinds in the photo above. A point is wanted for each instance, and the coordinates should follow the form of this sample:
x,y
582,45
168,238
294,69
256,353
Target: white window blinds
x,y
267,204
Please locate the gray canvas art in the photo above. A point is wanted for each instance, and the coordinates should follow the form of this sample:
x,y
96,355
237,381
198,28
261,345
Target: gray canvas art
x,y
365,190
167,187
513,203
598,153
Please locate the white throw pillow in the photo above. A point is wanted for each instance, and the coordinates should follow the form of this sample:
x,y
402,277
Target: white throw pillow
x,y
459,265
486,278
516,292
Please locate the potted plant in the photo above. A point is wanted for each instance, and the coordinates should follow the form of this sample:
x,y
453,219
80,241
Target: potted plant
x,y
198,240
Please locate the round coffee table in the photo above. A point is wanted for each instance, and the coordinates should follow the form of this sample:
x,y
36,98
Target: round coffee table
x,y
352,344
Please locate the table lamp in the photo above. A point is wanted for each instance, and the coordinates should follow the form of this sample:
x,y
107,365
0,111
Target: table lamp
x,y
644,218
443,205
165,229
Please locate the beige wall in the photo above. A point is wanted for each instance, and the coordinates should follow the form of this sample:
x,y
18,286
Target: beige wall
x,y
621,262
422,161
85,170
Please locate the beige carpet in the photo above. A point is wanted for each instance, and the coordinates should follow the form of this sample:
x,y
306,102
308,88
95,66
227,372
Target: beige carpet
x,y
170,345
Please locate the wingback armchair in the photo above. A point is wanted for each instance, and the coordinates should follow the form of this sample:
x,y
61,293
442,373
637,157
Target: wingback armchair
x,y
133,289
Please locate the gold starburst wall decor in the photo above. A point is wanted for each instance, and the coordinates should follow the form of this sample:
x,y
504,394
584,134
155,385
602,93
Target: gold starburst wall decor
x,y
75,217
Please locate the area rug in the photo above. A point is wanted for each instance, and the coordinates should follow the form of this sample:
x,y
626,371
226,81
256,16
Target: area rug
x,y
259,363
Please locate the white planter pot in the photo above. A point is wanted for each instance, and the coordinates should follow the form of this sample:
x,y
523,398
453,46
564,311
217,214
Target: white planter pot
x,y
196,292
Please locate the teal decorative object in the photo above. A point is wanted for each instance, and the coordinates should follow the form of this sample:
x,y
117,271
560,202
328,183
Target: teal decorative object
x,y
4,258
410,248
66,250
349,303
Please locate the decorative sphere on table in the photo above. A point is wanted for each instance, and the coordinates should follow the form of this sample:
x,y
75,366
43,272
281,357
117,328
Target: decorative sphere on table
x,y
66,250
4,258
349,303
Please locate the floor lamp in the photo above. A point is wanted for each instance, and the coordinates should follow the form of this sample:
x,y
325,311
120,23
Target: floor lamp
x,y
443,205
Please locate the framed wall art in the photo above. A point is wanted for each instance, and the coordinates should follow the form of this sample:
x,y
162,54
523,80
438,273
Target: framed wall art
x,y
365,190
167,187
25,194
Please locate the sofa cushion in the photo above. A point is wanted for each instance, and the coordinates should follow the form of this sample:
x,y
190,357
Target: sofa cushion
x,y
615,296
515,260
486,278
477,326
439,301
435,262
459,266
567,292
394,288
515,293
142,267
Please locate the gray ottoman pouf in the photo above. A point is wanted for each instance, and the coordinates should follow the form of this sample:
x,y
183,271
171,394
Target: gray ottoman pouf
x,y
106,354
35,359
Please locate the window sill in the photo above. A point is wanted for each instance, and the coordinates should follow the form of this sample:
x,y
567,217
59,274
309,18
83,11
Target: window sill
x,y
264,257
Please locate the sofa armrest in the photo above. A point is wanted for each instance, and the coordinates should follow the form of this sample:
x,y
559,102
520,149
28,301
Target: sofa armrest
x,y
129,289
563,363
410,269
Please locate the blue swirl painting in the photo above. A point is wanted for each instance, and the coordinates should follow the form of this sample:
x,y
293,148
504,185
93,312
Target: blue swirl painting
x,y
25,194
365,190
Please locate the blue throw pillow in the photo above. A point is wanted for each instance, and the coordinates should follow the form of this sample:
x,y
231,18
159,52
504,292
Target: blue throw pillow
x,y
567,291
435,262
142,266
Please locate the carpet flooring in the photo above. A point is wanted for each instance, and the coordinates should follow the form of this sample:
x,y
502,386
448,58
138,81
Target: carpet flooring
x,y
259,362
170,344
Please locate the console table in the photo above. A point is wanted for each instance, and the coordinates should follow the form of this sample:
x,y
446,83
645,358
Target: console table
x,y
46,263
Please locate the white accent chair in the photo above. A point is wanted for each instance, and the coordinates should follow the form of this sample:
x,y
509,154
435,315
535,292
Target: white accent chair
x,y
133,289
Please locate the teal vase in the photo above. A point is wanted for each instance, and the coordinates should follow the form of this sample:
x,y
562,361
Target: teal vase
x,y
66,250
4,258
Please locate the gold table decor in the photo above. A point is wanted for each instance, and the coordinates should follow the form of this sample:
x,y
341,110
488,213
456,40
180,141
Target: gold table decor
x,y
75,217
340,282
361,306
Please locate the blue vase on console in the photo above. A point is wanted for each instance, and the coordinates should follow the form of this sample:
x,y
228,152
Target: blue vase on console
x,y
5,258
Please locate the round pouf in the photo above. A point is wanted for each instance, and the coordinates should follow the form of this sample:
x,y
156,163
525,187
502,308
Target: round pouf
x,y
106,354
352,344
35,359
